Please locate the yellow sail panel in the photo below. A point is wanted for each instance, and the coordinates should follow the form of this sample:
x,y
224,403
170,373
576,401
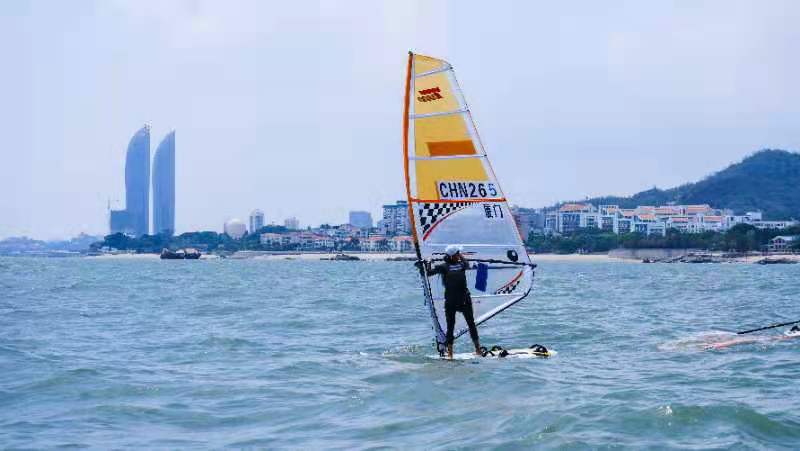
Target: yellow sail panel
x,y
431,172
442,136
423,64
434,94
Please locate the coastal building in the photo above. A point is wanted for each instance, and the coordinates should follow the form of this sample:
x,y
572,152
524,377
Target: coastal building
x,y
343,231
783,243
395,218
679,223
274,239
134,220
773,225
571,217
374,243
310,240
748,218
649,219
323,242
164,186
360,219
403,243
235,228
256,220
292,223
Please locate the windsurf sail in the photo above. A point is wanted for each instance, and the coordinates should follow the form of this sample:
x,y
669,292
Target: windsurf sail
x,y
454,198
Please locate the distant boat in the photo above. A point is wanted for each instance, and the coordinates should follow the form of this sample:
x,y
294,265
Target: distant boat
x,y
342,257
345,257
776,261
191,253
180,254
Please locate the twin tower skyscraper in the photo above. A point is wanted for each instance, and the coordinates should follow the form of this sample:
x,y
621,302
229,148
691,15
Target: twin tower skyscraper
x,y
135,218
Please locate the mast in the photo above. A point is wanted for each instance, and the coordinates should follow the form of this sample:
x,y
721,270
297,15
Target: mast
x,y
437,328
406,112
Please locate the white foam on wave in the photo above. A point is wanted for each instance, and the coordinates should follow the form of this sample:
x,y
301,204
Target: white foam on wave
x,y
473,356
697,342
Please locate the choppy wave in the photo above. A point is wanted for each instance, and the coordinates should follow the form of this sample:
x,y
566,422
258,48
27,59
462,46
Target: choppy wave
x,y
297,354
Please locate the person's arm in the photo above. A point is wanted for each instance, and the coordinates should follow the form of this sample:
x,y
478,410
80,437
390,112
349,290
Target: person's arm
x,y
438,269
426,264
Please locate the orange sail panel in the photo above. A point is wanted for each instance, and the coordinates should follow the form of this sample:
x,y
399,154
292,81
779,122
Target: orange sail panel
x,y
454,196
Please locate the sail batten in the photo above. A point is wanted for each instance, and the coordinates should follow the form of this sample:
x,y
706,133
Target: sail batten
x,y
440,113
432,72
454,157
454,197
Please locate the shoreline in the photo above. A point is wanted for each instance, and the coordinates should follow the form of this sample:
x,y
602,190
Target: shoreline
x,y
365,256
398,256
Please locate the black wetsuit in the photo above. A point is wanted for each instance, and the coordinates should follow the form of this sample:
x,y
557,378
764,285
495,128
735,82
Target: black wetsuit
x,y
456,297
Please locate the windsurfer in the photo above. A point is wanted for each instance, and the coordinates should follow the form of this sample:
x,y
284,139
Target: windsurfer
x,y
456,295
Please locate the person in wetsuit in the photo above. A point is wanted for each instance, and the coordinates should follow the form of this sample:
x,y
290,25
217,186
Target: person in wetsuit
x,y
456,295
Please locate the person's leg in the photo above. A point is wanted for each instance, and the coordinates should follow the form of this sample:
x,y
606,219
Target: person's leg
x,y
473,329
450,316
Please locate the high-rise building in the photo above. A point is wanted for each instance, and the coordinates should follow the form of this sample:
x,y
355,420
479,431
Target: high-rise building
x,y
135,218
360,219
292,223
164,186
395,218
528,220
256,220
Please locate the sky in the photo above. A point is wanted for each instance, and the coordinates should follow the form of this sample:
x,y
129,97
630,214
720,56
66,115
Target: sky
x,y
296,107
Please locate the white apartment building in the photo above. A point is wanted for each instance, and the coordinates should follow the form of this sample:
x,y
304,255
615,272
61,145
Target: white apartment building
x,y
372,244
774,225
401,243
651,220
280,239
782,243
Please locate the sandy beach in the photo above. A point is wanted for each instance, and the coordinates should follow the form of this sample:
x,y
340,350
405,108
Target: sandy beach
x,y
586,258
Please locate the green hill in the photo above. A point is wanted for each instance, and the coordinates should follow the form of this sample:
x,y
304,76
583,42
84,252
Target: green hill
x,y
768,180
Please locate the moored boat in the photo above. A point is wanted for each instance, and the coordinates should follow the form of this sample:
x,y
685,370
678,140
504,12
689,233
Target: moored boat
x,y
180,254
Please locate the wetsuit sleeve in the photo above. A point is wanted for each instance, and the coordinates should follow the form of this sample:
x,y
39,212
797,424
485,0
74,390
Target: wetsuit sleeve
x,y
438,269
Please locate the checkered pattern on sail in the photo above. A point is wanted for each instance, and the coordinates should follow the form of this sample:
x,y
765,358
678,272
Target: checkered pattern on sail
x,y
430,213
511,286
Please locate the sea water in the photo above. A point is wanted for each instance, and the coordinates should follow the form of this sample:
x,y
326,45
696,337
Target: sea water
x,y
144,353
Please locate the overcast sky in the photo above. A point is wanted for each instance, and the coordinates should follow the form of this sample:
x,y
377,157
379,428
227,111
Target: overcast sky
x,y
295,107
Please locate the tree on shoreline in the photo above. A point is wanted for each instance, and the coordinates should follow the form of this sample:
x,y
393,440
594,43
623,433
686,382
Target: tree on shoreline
x,y
740,238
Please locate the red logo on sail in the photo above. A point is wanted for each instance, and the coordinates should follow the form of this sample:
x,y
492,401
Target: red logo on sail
x,y
429,95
